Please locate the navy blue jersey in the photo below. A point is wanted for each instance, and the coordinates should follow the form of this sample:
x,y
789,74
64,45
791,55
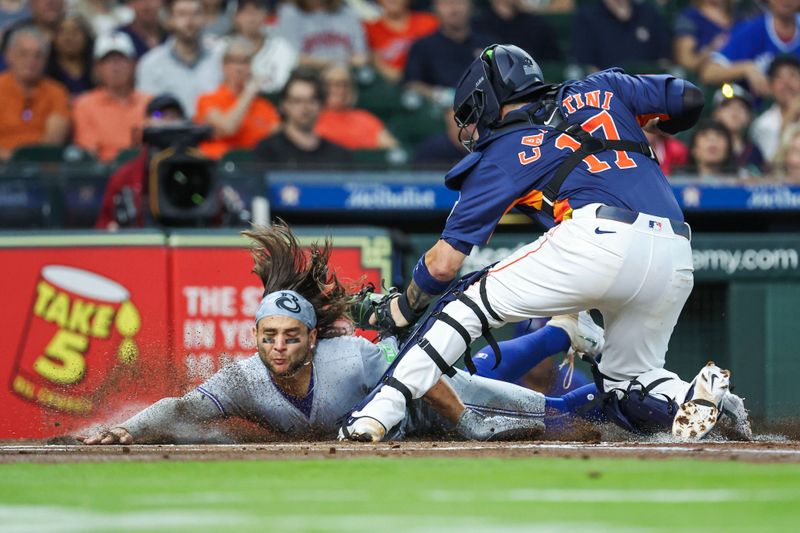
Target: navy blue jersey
x,y
511,169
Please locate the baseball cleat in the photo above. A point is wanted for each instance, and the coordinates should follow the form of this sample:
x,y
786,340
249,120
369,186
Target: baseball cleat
x,y
699,414
584,335
362,429
735,412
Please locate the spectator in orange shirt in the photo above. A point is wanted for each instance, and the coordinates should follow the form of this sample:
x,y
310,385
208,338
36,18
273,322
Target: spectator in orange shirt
x,y
110,118
343,124
390,36
35,109
239,116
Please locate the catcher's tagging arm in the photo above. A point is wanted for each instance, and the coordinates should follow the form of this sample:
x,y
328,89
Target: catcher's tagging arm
x,y
391,313
167,420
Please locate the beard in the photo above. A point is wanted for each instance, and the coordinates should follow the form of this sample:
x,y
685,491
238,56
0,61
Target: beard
x,y
294,367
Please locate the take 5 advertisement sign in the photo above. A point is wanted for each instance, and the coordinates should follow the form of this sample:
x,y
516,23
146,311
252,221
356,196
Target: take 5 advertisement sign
x,y
74,313
96,327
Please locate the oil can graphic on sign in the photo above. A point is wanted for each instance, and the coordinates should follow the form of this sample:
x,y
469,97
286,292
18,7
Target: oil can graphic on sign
x,y
79,328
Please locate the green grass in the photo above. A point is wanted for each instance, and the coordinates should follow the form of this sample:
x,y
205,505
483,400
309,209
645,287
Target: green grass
x,y
536,494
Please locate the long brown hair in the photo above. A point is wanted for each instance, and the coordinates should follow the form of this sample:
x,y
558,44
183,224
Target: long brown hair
x,y
282,264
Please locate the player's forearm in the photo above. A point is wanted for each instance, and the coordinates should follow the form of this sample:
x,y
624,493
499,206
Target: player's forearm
x,y
171,419
418,299
432,275
444,401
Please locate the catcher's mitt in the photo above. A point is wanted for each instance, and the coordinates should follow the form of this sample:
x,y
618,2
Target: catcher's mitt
x,y
370,304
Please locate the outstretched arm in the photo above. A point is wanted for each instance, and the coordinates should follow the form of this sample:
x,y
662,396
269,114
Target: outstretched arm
x,y
432,275
167,420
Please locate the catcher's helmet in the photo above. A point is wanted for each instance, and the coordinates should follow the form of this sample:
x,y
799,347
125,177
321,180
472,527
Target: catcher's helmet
x,y
503,73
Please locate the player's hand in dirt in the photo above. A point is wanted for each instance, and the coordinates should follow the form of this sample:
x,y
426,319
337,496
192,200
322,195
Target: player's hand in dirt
x,y
107,436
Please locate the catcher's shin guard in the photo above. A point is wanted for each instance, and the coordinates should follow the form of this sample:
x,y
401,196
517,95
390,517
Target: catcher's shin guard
x,y
431,350
642,405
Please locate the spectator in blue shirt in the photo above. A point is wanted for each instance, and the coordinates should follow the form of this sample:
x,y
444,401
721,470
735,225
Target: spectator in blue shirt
x,y
436,62
701,29
753,45
616,33
183,66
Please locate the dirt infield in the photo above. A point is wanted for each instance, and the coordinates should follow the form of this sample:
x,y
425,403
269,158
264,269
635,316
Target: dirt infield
x,y
759,451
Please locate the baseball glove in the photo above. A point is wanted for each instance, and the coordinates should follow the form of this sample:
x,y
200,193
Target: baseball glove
x,y
370,305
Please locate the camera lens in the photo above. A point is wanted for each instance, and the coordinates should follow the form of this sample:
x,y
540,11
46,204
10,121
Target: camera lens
x,y
187,184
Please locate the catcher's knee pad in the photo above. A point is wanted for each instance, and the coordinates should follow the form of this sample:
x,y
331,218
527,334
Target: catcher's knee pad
x,y
640,412
453,330
644,405
438,349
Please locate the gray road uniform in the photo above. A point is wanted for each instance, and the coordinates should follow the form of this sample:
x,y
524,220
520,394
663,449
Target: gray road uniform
x,y
345,370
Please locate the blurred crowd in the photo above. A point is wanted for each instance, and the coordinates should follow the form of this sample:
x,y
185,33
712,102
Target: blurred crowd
x,y
316,82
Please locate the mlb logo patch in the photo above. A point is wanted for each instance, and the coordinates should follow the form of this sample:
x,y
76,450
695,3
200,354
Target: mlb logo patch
x,y
655,224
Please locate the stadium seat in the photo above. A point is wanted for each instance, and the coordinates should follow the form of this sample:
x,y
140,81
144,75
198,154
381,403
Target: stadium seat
x,y
562,25
233,158
380,158
412,127
238,156
553,71
51,153
380,97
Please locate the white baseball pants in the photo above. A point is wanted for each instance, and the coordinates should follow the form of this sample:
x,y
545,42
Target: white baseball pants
x,y
638,275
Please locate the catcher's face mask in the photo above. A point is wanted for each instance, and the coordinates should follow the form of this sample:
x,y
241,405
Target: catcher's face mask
x,y
501,73
475,102
469,114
